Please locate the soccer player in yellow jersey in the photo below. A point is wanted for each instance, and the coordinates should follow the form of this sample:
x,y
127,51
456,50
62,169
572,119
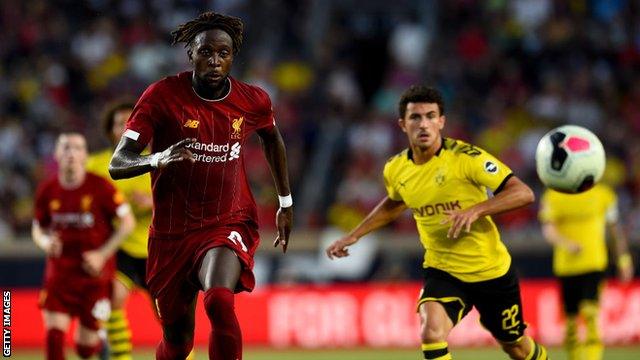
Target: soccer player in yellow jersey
x,y
132,255
445,182
576,224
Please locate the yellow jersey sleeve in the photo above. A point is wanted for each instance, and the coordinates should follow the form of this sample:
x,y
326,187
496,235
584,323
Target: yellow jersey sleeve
x,y
389,181
482,168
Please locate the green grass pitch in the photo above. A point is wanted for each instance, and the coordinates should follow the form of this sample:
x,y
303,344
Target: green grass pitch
x,y
621,353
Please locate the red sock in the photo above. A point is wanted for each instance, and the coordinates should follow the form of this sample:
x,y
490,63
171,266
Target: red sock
x,y
55,344
87,351
225,340
169,351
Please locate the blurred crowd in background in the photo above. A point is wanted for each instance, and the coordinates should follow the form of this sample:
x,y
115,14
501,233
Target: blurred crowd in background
x,y
509,70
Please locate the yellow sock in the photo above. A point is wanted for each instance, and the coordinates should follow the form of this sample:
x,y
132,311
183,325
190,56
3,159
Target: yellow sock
x,y
593,347
436,351
538,352
119,336
574,351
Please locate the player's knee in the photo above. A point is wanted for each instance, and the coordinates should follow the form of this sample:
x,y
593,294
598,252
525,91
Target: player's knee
x,y
118,300
119,295
433,332
177,335
87,351
180,330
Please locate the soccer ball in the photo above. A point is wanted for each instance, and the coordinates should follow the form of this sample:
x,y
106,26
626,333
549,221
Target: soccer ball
x,y
570,159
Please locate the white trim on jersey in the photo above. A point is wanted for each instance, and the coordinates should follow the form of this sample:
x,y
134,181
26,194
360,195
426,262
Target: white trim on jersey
x,y
133,135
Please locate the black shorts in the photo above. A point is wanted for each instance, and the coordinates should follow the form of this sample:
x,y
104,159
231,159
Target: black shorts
x,y
577,288
497,300
131,271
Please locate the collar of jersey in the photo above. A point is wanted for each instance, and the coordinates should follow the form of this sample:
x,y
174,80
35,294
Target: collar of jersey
x,y
442,146
213,100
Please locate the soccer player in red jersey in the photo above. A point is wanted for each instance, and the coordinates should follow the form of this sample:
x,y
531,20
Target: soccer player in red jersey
x,y
74,212
204,230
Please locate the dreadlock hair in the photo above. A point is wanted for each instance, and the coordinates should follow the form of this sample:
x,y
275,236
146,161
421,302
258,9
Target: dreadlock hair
x,y
206,21
110,112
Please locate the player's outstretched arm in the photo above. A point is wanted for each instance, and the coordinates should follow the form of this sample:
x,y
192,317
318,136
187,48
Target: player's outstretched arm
x,y
276,155
385,212
127,161
514,194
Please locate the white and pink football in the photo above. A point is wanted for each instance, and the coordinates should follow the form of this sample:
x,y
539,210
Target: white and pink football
x,y
570,159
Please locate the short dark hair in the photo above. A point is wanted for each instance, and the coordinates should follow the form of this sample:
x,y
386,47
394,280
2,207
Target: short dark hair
x,y
206,21
420,93
110,112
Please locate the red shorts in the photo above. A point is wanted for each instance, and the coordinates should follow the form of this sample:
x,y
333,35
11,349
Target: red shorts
x,y
87,300
174,263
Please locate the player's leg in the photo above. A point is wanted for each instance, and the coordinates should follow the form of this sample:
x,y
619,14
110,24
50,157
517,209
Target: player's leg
x,y
571,343
589,310
88,342
118,331
442,304
191,354
130,273
174,295
593,348
219,274
177,330
93,313
56,325
500,306
525,348
570,290
435,326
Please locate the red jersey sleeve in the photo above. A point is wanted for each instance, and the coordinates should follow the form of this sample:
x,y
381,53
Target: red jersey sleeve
x,y
41,207
146,114
265,117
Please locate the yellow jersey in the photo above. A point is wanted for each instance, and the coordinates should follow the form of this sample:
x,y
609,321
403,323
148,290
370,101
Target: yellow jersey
x,y
136,244
457,177
581,218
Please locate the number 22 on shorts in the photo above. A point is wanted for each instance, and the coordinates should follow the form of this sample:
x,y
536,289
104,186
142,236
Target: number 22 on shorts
x,y
509,321
236,238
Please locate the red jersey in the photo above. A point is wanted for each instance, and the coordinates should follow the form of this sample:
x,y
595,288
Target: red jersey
x,y
214,190
82,219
